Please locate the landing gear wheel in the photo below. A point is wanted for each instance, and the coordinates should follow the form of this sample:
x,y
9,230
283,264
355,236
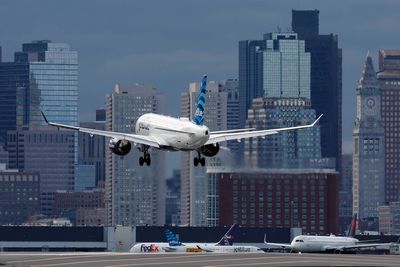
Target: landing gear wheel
x,y
196,161
141,161
202,161
148,160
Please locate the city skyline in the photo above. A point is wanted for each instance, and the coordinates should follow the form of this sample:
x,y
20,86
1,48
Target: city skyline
x,y
148,45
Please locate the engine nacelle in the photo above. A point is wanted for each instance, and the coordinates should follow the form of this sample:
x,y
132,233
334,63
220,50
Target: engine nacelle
x,y
120,147
210,150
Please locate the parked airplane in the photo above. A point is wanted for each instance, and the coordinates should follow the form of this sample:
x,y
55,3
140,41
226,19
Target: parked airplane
x,y
331,243
176,134
224,245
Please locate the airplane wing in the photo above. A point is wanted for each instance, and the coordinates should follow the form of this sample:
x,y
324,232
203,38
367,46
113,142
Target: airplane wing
x,y
226,136
169,249
140,139
205,250
370,245
281,245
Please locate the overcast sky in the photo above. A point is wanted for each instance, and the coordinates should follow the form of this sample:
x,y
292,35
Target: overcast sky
x,y
171,43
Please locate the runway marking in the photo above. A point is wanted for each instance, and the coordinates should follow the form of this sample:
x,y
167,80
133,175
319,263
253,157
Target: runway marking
x,y
197,261
260,263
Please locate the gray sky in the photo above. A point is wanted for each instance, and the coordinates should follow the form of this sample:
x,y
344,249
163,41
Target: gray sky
x,y
171,43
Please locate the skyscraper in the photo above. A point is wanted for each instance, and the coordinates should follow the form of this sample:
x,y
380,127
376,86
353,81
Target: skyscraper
x,y
135,195
369,150
44,150
285,102
389,82
53,69
221,103
326,79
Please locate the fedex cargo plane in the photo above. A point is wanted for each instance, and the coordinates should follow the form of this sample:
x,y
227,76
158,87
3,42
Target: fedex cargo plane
x,y
176,134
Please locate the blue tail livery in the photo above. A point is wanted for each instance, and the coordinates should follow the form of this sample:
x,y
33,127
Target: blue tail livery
x,y
199,114
171,238
227,239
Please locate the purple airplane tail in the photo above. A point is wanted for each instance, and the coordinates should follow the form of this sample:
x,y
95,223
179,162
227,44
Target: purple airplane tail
x,y
228,238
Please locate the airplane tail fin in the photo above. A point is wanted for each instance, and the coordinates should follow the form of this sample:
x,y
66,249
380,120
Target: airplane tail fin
x,y
353,226
228,238
199,114
171,238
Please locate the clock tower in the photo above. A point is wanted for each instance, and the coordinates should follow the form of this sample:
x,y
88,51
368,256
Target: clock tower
x,y
369,154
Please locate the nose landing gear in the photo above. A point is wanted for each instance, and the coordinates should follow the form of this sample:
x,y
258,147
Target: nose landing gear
x,y
199,159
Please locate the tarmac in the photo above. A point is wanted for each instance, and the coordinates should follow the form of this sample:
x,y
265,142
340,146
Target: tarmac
x,y
111,259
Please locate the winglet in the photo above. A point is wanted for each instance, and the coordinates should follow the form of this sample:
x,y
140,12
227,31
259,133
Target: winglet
x,y
265,238
44,117
315,122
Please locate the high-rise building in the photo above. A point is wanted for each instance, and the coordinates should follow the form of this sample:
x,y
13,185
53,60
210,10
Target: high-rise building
x,y
44,150
173,199
294,149
389,218
346,193
285,102
369,149
19,195
19,97
220,114
135,195
326,79
91,149
53,70
389,83
305,198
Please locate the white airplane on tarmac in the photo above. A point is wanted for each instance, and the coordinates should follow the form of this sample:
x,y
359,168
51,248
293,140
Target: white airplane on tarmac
x,y
176,134
331,243
224,245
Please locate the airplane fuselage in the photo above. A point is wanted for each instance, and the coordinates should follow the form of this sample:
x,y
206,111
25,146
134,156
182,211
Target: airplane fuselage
x,y
173,133
306,243
192,247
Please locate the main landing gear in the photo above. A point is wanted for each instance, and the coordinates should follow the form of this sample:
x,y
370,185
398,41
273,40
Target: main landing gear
x,y
146,156
199,159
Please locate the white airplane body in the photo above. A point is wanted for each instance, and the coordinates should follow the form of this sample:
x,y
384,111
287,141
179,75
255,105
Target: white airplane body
x,y
176,134
160,247
224,245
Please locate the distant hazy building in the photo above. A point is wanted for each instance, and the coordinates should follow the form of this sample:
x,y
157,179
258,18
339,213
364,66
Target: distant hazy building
x,y
222,104
67,204
389,83
3,156
90,216
91,149
47,151
173,199
19,195
389,218
135,195
346,192
85,177
369,149
326,79
305,198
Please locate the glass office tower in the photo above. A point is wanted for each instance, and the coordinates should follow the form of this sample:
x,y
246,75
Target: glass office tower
x,y
53,69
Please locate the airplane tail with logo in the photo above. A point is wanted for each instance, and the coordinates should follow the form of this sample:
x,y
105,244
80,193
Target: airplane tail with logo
x,y
199,114
228,238
171,238
353,226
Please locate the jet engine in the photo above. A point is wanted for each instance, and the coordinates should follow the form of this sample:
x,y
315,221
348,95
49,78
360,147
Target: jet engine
x,y
120,147
210,150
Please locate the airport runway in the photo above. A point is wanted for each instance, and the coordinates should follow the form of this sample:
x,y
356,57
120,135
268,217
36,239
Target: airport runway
x,y
209,260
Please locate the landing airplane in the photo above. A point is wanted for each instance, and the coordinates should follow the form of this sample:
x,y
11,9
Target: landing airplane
x,y
331,243
176,134
224,245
